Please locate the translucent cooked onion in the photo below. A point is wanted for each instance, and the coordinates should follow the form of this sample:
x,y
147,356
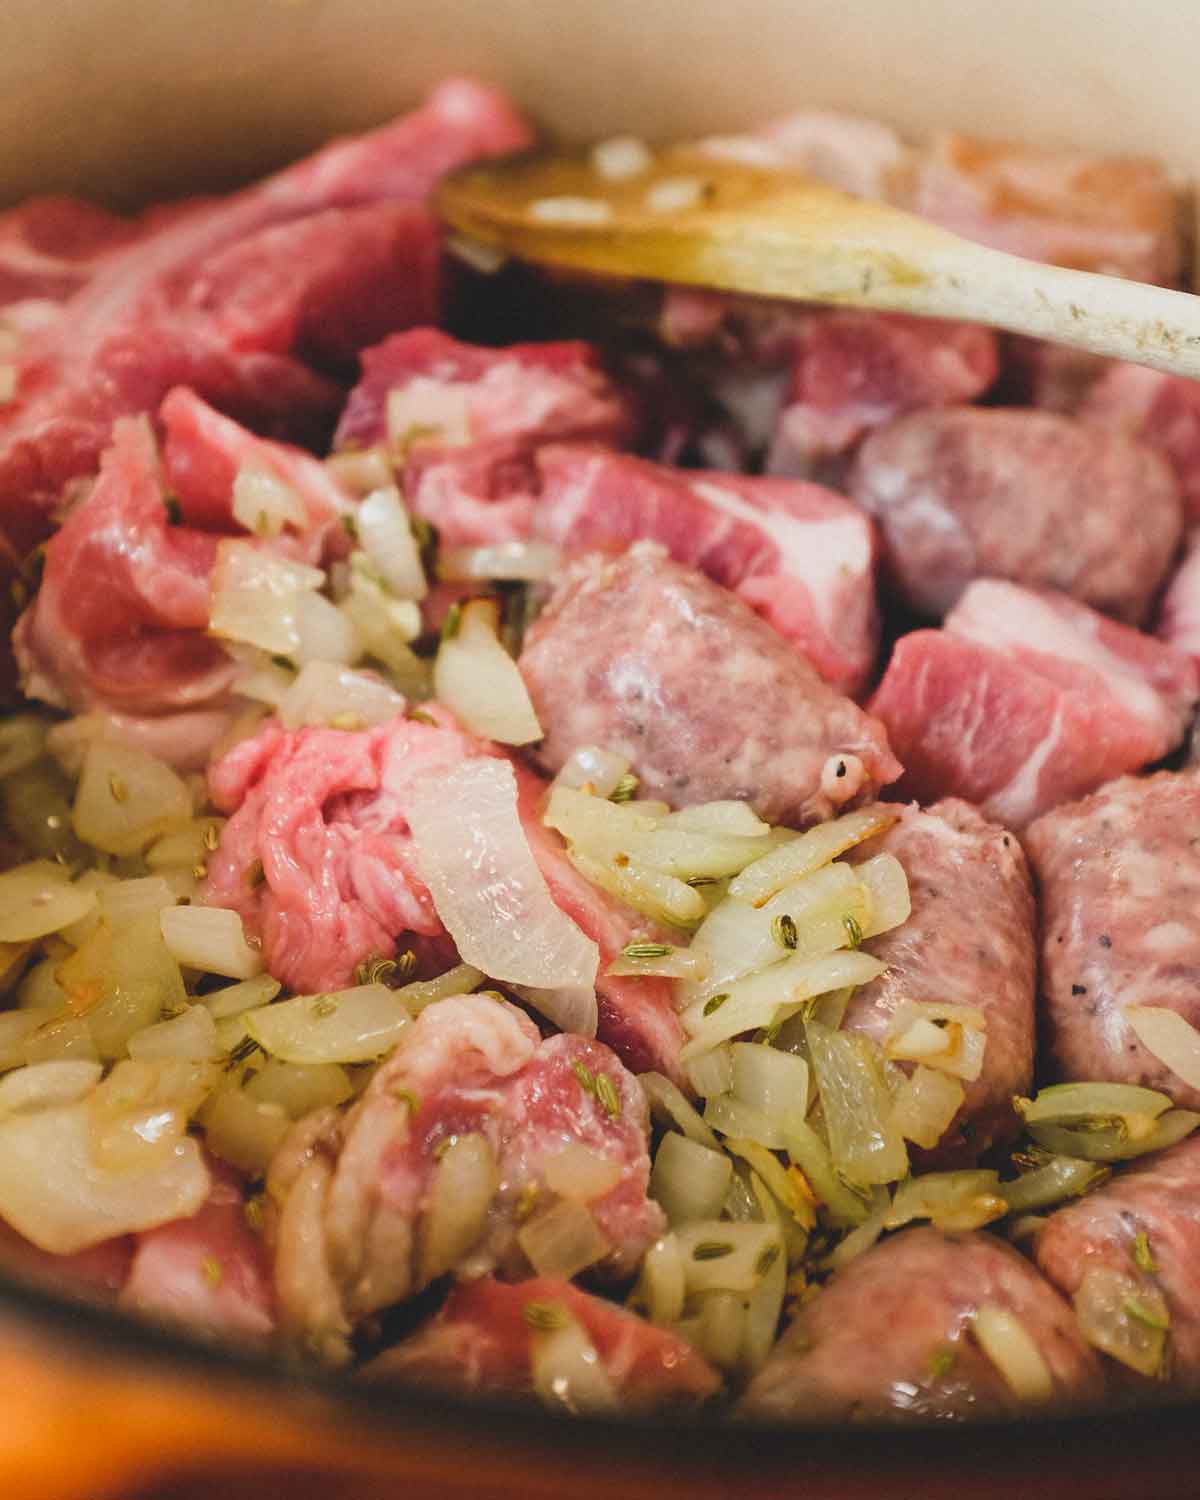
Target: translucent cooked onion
x,y
1010,1347
1123,1316
264,505
78,1204
362,471
125,900
711,1073
662,898
763,1312
38,898
951,1038
662,1286
593,825
460,980
689,1180
863,1140
572,1008
860,1239
562,1241
773,1081
737,819
126,799
326,693
887,886
299,1088
1072,1103
42,1085
189,846
568,1374
265,681
210,938
476,678
785,1187
385,625
791,862
474,857
951,1201
325,632
723,1329
733,1117
579,1172
1166,1035
460,1195
675,963
1117,1141
244,1131
122,979
670,1107
192,1036
601,770
236,998
1062,1177
514,562
344,1026
429,410
386,534
842,1207
256,596
722,1257
925,1104
759,999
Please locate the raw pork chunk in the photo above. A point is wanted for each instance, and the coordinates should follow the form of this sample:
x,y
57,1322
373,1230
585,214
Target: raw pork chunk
x,y
249,299
654,661
1162,411
321,813
1119,874
1160,1199
1027,495
969,941
1027,699
356,1186
483,1342
889,1339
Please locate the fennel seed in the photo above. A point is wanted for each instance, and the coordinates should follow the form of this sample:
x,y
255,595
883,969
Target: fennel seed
x,y
715,1003
1149,1317
212,837
712,1250
544,1317
625,788
526,1202
854,932
117,788
212,1271
783,930
766,1260
452,623
607,1094
323,1007
646,950
1143,1258
581,1071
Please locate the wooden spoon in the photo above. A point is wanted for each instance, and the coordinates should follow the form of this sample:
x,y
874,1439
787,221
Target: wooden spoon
x,y
698,221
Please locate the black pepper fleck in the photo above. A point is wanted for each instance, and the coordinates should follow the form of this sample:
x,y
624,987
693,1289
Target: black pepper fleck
x,y
1079,989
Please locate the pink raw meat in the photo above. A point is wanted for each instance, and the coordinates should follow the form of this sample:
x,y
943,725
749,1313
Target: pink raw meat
x,y
119,622
210,1273
469,1065
322,812
1162,411
482,1341
231,295
50,246
1027,699
798,554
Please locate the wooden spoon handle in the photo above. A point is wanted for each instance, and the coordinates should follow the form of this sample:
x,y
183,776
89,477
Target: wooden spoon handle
x,y
783,235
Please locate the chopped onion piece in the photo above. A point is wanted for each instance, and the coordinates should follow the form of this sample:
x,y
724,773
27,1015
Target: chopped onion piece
x,y
120,980
792,861
660,897
1123,1316
256,597
722,1257
579,1172
786,1187
621,157
952,1201
951,1038
1117,1142
55,1039
328,693
474,857
361,471
670,1106
236,998
345,1026
689,1180
864,1236
460,980
126,799
210,938
326,633
515,562
22,741
662,1286
42,1085
863,1140
123,900
299,1088
39,898
429,410
711,1073
763,1313
734,1117
244,1131
478,680
1069,1103
887,887
1167,1036
595,826
562,1241
843,1207
464,1185
723,1328
761,998
190,846
925,1104
264,505
675,963
774,1082
387,538
601,770
266,681
192,1036
78,1204
567,1372
1008,1344
693,854
737,819
1062,1177
572,1008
